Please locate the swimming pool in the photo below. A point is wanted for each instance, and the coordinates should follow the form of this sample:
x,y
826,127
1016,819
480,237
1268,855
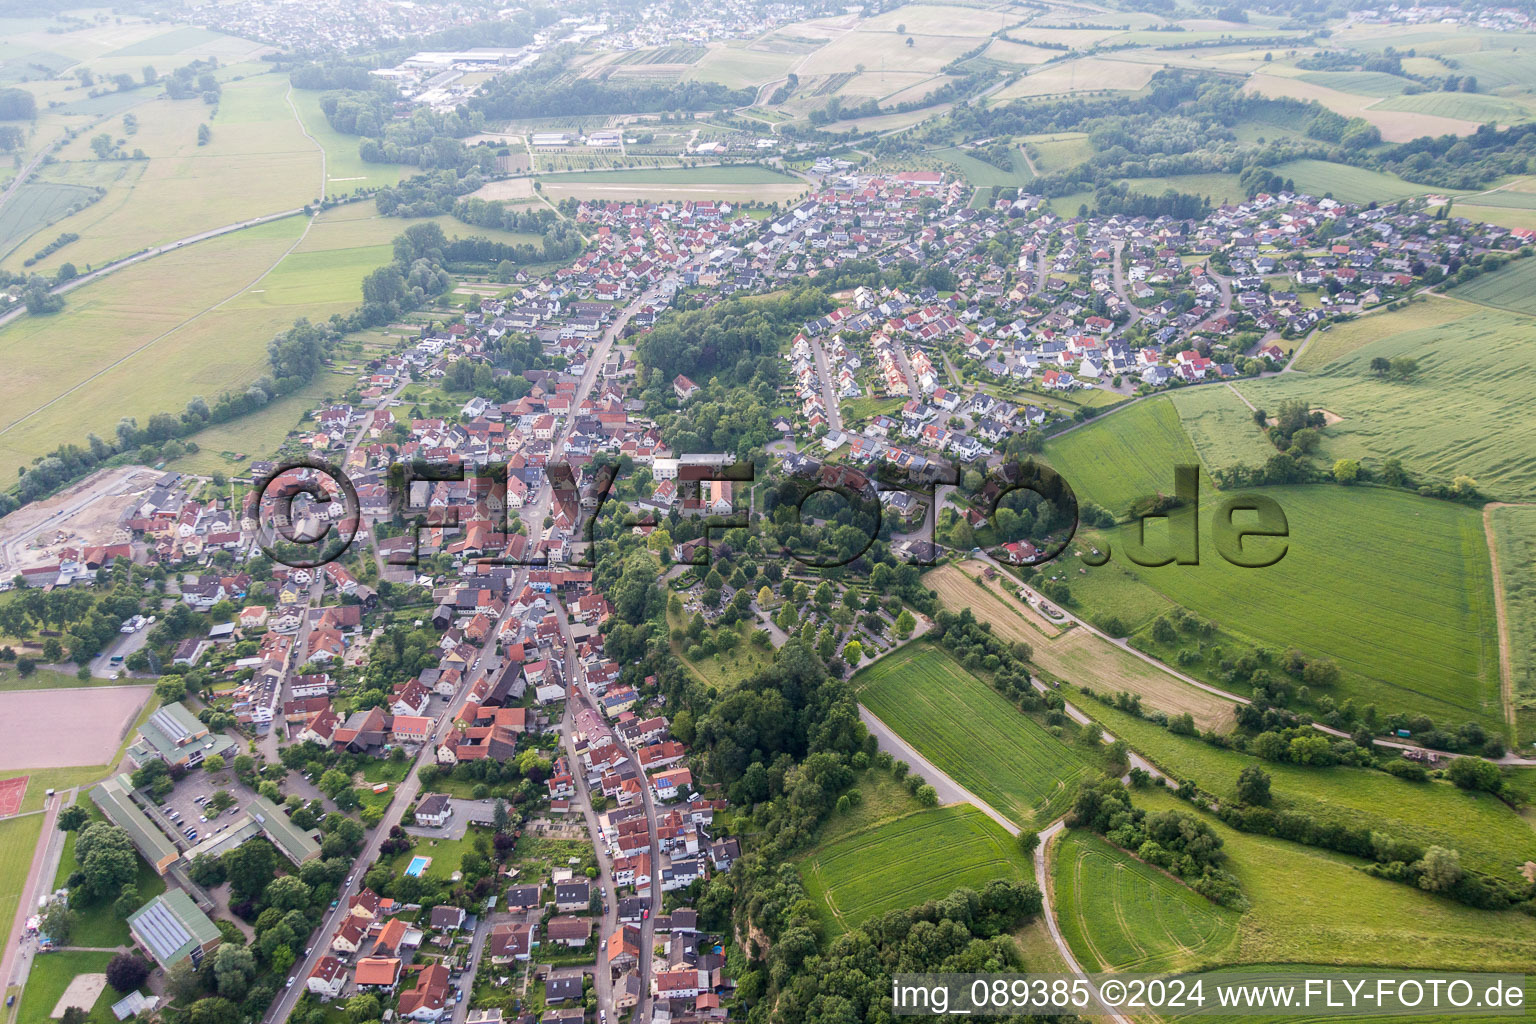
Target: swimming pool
x,y
418,865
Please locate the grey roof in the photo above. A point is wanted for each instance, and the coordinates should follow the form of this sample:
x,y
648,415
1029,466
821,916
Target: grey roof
x,y
171,926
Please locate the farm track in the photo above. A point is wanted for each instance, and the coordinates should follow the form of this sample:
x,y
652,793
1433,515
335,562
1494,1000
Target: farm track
x,y
1501,616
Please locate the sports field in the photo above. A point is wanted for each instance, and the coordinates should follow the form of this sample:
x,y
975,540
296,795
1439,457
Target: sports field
x,y
1119,913
1490,835
903,862
18,841
1512,287
59,728
970,732
1128,455
1457,416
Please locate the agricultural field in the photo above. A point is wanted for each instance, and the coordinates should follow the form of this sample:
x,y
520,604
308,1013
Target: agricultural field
x,y
1490,835
1350,184
1395,125
961,586
34,207
143,340
1462,106
738,66
1394,588
1119,913
1083,75
1221,427
923,855
1512,288
1342,339
1125,456
967,730
257,162
1457,416
1362,83
980,173
1514,540
1313,906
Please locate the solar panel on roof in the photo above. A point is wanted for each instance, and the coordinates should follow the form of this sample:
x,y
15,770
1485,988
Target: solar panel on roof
x,y
173,729
162,931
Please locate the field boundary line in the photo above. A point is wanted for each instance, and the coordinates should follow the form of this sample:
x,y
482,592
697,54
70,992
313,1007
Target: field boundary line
x,y
1501,616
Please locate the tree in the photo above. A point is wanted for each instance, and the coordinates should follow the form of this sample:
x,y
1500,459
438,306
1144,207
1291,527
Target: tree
x,y
127,902
1346,471
249,867
1029,841
213,763
107,861
853,653
182,981
73,818
332,782
1404,367
1475,773
205,136
927,796
1439,870
905,623
220,801
1381,366
233,968
363,1006
127,971
1253,785
286,893
57,923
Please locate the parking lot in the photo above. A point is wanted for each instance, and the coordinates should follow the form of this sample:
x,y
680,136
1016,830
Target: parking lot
x,y
199,785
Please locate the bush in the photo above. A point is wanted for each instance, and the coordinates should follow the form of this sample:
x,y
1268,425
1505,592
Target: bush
x,y
127,971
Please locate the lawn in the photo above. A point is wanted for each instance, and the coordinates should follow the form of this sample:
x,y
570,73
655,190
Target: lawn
x,y
1311,906
1125,456
1395,588
1491,836
903,862
1119,913
99,925
1512,287
1457,416
1221,427
1514,537
50,977
18,842
967,730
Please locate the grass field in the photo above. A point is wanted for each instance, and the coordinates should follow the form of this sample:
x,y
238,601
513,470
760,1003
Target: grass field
x,y
967,730
18,841
1085,74
34,206
1512,288
1458,415
1393,587
50,978
143,340
1125,456
1465,106
921,856
345,171
1514,537
1118,913
979,172
1221,427
1395,125
735,183
1349,184
257,162
98,925
1491,836
1342,339
1311,906
1363,83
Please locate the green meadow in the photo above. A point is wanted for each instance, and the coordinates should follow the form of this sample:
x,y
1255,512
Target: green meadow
x,y
968,731
905,861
